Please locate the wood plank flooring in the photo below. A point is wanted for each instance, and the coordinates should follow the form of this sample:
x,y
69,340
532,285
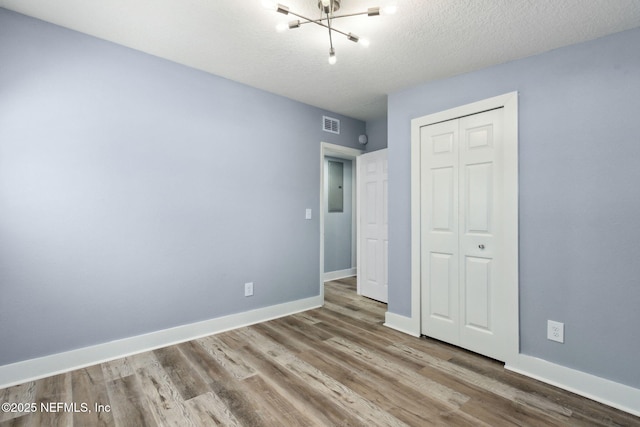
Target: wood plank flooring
x,y
333,366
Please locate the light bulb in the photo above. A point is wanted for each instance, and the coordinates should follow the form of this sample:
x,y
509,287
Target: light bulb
x,y
332,57
282,27
267,4
389,10
364,42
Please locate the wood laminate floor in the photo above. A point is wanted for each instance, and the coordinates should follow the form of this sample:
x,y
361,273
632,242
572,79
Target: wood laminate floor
x,y
333,366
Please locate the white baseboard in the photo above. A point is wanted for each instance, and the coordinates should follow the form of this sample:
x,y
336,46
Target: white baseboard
x,y
601,390
401,323
33,369
340,274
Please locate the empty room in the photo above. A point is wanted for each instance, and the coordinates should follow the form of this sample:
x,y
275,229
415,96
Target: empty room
x,y
319,213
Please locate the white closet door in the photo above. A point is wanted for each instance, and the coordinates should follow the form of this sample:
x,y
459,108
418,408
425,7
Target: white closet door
x,y
439,256
463,301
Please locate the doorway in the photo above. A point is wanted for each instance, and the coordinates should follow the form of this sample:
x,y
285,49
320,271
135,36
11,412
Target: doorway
x,y
339,250
464,223
338,154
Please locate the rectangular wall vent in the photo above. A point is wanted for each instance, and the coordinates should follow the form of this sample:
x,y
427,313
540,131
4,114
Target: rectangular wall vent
x,y
329,124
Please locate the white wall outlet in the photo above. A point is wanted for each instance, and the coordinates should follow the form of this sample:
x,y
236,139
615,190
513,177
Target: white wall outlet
x,y
555,331
307,214
248,289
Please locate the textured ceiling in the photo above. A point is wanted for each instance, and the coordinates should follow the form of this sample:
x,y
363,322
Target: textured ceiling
x,y
425,40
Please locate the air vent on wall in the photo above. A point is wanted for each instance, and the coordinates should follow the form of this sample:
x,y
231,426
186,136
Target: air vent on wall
x,y
329,124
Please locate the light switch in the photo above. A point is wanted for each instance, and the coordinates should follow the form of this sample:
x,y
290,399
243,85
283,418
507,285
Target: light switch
x,y
307,214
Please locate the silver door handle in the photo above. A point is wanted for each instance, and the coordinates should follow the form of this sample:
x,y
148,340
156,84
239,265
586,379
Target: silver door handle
x,y
481,246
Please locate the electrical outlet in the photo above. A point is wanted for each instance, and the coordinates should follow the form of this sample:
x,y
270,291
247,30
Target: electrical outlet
x,y
555,331
248,289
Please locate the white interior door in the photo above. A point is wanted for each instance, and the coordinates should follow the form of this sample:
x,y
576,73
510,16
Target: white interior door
x,y
373,225
463,298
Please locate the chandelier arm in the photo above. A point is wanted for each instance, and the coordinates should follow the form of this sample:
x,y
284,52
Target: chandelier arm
x,y
347,15
336,30
329,27
318,22
305,18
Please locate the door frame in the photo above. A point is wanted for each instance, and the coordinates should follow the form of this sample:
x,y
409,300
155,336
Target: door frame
x,y
346,153
509,242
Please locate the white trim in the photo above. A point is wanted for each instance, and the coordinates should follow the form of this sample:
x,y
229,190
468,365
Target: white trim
x,y
33,369
605,391
510,243
340,274
415,229
342,152
354,214
400,323
357,219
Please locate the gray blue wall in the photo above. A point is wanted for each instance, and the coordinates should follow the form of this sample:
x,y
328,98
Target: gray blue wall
x,y
377,134
137,194
338,225
579,201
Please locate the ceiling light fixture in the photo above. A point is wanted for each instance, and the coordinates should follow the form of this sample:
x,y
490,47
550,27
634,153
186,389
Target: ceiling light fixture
x,y
327,16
